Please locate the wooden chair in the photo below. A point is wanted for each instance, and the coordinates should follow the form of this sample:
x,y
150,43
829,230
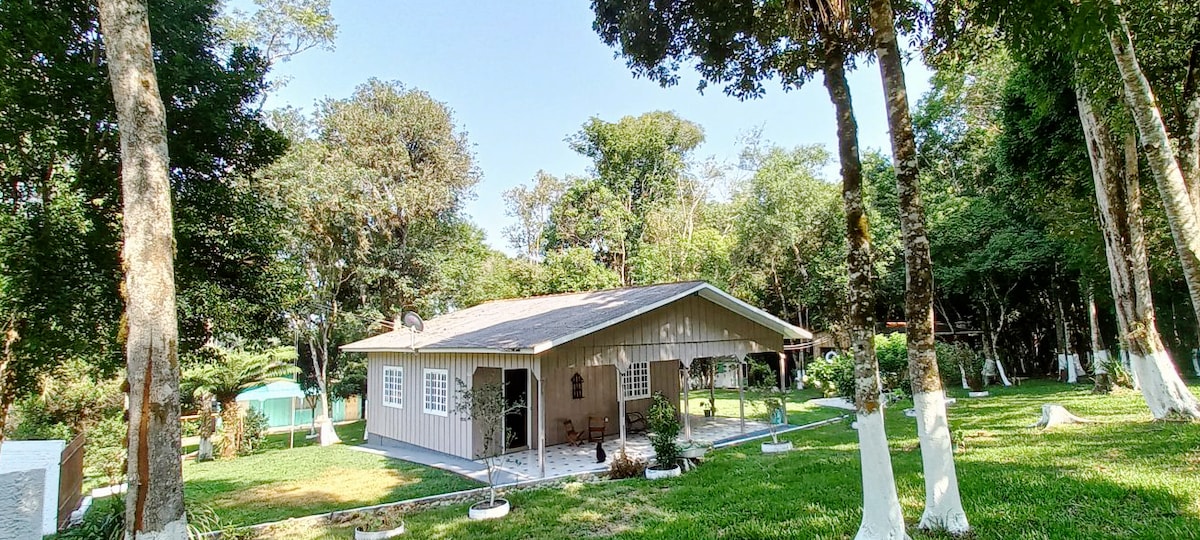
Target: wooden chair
x,y
574,438
635,422
597,425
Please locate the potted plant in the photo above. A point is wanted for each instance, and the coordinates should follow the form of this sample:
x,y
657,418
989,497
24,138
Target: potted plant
x,y
709,408
694,449
664,428
486,406
377,526
774,403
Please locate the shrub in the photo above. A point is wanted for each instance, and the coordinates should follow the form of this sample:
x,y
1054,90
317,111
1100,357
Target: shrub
x,y
891,350
32,420
955,359
254,431
760,374
623,466
664,427
835,377
104,453
105,520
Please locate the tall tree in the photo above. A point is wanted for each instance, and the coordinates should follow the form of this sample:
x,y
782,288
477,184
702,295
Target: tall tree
x,y
155,494
641,161
374,197
741,44
531,205
943,506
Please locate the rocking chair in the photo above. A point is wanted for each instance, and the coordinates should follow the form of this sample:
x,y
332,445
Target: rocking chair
x,y
574,438
635,422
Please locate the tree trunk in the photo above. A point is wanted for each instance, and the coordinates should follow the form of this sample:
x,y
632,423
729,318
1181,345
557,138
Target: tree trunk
x,y
1189,141
943,506
1100,381
155,496
882,517
1177,201
231,423
1118,198
7,382
321,415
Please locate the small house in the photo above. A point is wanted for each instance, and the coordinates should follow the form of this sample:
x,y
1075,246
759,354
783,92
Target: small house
x,y
598,355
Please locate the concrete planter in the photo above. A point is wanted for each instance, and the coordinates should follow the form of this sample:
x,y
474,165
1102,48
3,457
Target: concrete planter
x,y
655,474
776,448
360,534
977,394
481,510
693,452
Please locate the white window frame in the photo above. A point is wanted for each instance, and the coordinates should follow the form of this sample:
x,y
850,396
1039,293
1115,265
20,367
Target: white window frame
x,y
636,371
395,401
426,396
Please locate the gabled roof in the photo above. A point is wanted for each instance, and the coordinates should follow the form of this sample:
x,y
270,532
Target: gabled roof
x,y
532,325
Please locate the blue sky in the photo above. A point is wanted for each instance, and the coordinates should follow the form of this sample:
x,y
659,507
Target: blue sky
x,y
522,76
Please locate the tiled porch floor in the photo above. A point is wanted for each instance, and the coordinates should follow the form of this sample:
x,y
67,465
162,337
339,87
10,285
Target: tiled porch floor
x,y
565,459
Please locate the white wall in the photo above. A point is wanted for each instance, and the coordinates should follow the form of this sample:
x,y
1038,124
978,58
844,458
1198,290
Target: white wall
x,y
36,455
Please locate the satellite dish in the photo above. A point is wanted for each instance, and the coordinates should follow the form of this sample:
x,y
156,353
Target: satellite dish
x,y
413,321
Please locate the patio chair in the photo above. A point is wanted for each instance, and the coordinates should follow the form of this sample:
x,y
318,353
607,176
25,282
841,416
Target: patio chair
x,y
597,425
574,438
635,422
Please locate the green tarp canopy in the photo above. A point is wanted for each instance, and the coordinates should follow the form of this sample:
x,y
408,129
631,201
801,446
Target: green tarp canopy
x,y
275,390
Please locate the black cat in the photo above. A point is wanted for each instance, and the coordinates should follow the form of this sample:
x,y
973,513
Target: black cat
x,y
601,456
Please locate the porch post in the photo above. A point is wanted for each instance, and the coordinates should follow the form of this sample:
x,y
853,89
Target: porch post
x,y
782,371
621,404
687,398
541,427
741,396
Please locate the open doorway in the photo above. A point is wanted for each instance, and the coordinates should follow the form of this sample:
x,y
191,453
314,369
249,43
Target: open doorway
x,y
516,389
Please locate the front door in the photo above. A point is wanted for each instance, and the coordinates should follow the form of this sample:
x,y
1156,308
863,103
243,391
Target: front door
x,y
516,390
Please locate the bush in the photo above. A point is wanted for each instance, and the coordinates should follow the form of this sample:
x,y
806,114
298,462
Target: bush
x,y
891,350
664,427
254,431
623,466
760,374
105,520
31,420
835,377
104,453
954,359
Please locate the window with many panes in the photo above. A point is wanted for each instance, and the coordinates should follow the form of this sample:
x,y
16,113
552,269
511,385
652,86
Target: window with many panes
x,y
393,386
636,380
437,391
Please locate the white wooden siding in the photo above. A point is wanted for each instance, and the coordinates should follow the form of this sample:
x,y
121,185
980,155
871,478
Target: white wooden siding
x,y
410,424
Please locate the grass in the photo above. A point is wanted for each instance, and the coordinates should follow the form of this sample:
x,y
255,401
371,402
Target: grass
x,y
277,482
1122,477
800,412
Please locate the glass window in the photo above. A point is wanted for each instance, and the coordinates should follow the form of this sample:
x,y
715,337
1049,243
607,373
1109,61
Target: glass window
x,y
637,381
393,386
437,391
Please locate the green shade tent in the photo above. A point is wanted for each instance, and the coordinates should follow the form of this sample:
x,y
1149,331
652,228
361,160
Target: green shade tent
x,y
276,400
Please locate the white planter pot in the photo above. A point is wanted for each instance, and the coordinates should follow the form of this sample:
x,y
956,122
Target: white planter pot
x,y
776,448
977,394
360,534
655,474
693,452
480,510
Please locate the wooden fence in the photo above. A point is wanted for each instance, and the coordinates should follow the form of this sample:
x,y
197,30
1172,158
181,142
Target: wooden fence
x,y
70,479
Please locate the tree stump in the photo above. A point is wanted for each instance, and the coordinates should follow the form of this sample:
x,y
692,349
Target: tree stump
x,y
1054,415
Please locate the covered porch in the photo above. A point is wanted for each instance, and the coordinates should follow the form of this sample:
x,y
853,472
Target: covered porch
x,y
568,460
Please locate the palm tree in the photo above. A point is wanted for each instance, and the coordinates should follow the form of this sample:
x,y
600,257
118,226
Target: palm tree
x,y
231,372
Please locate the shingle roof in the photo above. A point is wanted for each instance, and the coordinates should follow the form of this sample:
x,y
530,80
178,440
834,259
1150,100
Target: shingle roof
x,y
532,325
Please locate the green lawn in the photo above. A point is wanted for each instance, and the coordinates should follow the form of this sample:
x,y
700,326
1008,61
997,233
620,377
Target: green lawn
x,y
1122,477
277,482
799,411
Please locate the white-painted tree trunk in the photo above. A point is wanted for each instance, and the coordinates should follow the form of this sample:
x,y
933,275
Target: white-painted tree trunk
x,y
882,517
1071,361
1100,360
963,373
1003,376
1196,363
1162,388
1128,365
943,505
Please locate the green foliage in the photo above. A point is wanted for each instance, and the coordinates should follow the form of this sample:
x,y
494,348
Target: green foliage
x,y
105,520
663,422
31,420
254,430
572,270
74,397
104,451
955,359
485,406
760,374
891,351
225,372
835,377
